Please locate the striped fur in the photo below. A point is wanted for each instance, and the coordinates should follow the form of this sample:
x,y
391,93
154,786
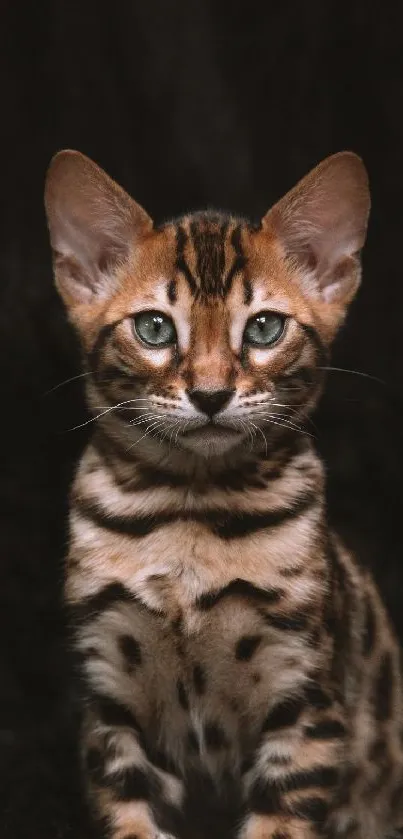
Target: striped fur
x,y
232,655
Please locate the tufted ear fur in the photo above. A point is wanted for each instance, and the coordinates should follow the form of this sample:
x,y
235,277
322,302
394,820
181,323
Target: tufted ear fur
x,y
93,225
321,226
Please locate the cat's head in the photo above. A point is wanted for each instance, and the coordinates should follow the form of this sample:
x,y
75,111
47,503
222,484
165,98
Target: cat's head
x,y
206,333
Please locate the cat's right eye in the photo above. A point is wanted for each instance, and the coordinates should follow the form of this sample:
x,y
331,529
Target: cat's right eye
x,y
264,329
155,329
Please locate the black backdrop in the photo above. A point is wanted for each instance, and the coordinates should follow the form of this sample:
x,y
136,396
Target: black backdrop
x,y
188,103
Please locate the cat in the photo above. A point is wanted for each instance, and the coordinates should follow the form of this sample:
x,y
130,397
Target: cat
x,y
233,657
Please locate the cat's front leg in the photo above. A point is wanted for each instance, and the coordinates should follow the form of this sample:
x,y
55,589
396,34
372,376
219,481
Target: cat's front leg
x,y
129,795
290,787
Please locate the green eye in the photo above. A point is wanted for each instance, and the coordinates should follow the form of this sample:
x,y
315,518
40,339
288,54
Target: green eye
x,y
264,329
155,329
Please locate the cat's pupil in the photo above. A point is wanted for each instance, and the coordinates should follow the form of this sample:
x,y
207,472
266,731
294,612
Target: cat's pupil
x,y
264,329
154,328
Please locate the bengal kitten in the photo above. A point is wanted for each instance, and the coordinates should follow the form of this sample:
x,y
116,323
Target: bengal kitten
x,y
235,660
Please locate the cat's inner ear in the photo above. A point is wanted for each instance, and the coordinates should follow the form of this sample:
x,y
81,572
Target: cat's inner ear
x,y
321,225
93,225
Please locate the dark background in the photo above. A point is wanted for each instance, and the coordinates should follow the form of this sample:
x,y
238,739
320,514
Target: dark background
x,y
188,103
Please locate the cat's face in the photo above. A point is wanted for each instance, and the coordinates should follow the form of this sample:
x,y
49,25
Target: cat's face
x,y
211,339
206,334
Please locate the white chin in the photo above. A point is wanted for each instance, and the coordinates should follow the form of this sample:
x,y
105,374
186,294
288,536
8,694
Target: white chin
x,y
210,442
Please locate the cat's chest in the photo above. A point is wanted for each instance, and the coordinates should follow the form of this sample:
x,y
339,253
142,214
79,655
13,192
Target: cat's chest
x,y
176,564
200,684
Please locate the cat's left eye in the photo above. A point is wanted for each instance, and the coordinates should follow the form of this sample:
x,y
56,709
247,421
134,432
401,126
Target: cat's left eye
x,y
264,329
155,329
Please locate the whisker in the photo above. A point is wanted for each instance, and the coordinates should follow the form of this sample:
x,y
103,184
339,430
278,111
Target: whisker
x,y
144,421
149,430
144,418
67,381
293,411
282,405
244,428
283,417
175,424
101,380
289,419
178,430
137,399
291,388
290,424
353,373
164,433
259,429
285,424
102,414
252,432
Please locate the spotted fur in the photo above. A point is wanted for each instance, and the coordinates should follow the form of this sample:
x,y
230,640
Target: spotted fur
x,y
233,657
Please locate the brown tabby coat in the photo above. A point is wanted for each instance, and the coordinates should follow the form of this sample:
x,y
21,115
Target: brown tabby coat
x,y
239,674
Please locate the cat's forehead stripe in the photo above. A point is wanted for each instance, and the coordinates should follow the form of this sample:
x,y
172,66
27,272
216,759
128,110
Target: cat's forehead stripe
x,y
205,246
208,241
181,263
172,291
239,262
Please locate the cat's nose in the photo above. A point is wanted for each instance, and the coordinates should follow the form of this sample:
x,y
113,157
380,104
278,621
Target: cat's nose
x,y
210,402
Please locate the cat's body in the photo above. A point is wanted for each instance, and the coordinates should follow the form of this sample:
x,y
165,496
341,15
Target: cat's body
x,y
233,656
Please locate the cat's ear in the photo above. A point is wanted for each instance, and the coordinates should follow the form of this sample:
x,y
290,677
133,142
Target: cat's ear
x,y
321,225
93,225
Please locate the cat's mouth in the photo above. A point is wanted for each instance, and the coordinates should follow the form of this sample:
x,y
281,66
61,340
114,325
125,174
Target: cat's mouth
x,y
211,438
212,428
